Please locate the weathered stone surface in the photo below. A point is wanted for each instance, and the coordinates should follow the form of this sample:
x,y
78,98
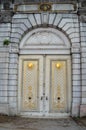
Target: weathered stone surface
x,y
5,17
4,108
17,26
75,110
83,110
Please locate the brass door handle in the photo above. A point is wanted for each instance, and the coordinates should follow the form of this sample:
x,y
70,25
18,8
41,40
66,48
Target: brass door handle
x,y
29,98
58,98
41,97
46,98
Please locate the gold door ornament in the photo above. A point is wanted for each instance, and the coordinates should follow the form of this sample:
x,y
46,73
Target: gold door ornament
x,y
45,7
58,86
30,65
30,85
58,65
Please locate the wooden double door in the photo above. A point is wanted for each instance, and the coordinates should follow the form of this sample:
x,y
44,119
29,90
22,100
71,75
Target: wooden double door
x,y
44,84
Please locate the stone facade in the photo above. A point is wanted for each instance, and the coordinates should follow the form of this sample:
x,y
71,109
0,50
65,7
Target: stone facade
x,y
15,25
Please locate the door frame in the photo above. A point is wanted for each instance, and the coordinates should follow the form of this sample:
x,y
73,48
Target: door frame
x,y
47,114
21,58
67,58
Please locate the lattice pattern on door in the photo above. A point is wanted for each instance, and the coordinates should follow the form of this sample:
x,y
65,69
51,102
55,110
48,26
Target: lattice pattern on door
x,y
58,86
30,85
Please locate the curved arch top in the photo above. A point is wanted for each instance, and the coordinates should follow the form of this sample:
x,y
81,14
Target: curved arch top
x,y
45,39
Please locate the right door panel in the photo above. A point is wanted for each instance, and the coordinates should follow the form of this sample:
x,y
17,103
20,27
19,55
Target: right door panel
x,y
58,84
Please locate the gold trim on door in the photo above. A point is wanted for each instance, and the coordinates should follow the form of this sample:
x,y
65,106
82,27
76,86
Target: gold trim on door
x,y
30,85
58,86
45,85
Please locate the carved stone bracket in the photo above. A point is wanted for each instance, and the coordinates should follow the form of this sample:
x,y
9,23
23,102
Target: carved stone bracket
x,y
13,50
5,16
75,50
83,18
83,3
82,10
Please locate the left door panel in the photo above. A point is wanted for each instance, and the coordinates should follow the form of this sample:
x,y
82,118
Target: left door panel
x,y
30,88
30,80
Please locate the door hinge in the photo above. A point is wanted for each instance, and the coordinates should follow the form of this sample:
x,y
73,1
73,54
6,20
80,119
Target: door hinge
x,y
43,84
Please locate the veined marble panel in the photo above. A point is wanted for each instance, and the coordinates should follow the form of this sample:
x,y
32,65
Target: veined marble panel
x,y
36,7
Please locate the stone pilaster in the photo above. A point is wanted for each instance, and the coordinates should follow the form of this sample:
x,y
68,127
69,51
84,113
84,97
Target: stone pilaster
x,y
76,81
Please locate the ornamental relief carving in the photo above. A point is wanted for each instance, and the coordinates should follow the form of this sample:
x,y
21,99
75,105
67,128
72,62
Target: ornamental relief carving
x,y
5,17
83,18
83,3
44,37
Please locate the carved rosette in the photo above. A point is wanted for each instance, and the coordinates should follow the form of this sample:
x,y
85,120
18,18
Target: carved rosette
x,y
45,7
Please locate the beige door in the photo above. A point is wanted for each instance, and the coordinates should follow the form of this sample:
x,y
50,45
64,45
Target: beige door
x,y
31,83
58,84
44,84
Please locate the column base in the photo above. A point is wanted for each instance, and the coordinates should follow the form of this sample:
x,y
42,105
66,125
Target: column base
x,y
75,109
4,109
82,110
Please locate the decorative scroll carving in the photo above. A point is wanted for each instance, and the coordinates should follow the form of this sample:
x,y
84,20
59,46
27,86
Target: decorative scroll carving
x,y
82,10
37,5
45,7
5,16
83,18
45,37
83,3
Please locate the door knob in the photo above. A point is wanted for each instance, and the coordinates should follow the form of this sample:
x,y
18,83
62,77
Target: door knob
x,y
29,98
58,98
46,98
41,97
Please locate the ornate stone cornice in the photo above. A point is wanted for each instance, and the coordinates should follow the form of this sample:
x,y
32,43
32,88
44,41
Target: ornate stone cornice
x,y
42,1
83,18
6,15
82,10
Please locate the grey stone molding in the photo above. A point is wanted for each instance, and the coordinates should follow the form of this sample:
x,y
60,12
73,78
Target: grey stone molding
x,y
75,50
82,6
38,1
82,10
83,18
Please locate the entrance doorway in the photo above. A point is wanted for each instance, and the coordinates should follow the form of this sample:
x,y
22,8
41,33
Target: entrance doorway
x,y
45,85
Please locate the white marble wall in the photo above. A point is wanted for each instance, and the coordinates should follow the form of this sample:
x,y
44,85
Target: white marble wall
x,y
21,25
4,65
83,69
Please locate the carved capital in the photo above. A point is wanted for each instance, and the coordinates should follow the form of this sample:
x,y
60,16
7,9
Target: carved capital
x,y
83,18
75,50
83,3
14,50
5,16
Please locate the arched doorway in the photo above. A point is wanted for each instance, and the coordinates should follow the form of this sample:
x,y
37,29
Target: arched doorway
x,y
45,74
